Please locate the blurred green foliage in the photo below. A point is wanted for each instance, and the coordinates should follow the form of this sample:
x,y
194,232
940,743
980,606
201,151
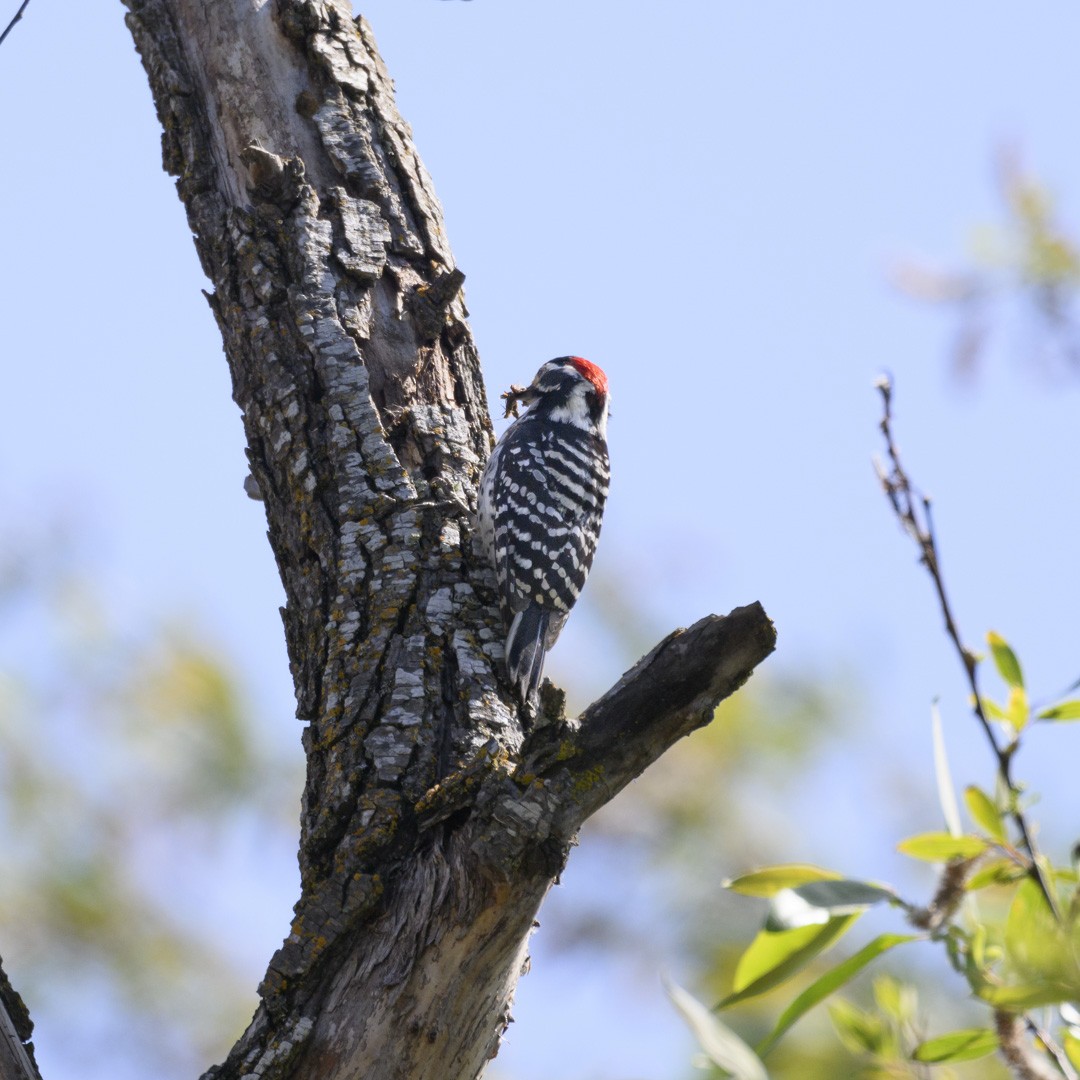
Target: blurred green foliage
x,y
127,761
697,816
1007,919
1024,269
1005,916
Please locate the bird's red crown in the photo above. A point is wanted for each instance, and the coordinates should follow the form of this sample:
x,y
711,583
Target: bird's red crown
x,y
594,374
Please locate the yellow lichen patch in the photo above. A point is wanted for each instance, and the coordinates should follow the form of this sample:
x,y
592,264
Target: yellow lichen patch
x,y
567,750
588,779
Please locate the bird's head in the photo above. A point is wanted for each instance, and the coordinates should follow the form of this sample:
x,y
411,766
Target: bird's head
x,y
570,390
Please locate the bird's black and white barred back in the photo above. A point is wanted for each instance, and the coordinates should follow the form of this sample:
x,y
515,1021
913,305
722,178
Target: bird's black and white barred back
x,y
542,498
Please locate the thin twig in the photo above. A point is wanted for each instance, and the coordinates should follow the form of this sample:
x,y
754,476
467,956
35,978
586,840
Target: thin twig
x,y
10,25
914,513
1016,1051
950,894
1056,1052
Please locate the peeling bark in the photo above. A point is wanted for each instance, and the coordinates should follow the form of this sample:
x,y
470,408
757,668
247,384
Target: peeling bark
x,y
431,825
16,1050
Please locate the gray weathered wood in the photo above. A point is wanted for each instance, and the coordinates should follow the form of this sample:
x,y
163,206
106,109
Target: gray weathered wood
x,y
16,1052
429,836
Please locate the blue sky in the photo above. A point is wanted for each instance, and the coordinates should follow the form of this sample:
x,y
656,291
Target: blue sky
x,y
705,198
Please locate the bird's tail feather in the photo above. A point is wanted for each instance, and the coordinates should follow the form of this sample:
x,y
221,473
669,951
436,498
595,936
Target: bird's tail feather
x,y
525,649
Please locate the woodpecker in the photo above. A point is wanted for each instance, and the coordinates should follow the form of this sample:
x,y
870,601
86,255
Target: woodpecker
x,y
542,497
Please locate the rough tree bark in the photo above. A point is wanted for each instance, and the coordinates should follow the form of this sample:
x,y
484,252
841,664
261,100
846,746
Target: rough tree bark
x,y
16,1050
432,826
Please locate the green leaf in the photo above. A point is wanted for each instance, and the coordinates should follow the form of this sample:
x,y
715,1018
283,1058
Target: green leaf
x,y
1018,711
1022,997
829,982
774,956
983,812
788,911
964,1045
895,999
977,946
719,1042
945,788
1071,1045
770,880
1040,950
994,711
941,847
843,896
1065,710
997,872
1005,660
859,1031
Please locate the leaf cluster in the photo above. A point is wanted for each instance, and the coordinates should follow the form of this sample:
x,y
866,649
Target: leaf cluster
x,y
1006,917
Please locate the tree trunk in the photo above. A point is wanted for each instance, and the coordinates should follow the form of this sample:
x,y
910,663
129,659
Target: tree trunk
x,y
16,1050
432,826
